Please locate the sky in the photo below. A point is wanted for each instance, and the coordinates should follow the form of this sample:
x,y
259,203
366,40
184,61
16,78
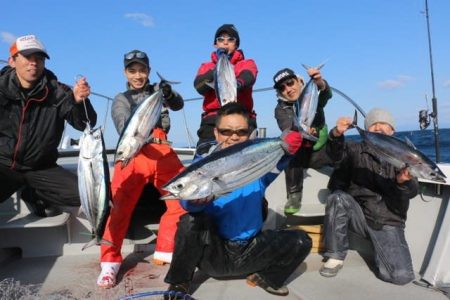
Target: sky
x,y
376,51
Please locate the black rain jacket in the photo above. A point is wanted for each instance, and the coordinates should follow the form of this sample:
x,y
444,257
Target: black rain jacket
x,y
372,183
32,124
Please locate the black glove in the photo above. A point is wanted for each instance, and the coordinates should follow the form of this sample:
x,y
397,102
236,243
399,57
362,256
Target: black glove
x,y
166,89
221,51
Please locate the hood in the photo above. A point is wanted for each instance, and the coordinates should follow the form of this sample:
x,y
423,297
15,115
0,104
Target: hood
x,y
286,100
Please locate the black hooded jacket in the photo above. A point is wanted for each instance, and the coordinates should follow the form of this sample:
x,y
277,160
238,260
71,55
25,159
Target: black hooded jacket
x,y
32,123
372,183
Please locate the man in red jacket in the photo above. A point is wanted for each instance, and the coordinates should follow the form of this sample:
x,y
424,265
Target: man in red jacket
x,y
226,40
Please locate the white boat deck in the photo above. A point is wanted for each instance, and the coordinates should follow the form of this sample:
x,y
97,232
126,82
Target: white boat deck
x,y
74,277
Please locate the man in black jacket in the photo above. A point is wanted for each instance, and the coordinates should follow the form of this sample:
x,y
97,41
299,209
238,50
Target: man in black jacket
x,y
370,197
289,87
33,109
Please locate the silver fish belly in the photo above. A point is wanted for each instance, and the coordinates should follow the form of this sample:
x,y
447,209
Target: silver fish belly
x,y
93,182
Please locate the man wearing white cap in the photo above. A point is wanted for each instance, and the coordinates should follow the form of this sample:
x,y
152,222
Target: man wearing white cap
x,y
33,109
370,197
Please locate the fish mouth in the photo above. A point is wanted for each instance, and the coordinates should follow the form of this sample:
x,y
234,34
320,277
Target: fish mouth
x,y
169,196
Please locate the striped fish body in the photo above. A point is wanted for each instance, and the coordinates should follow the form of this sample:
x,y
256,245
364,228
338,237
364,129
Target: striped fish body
x,y
94,182
225,82
138,128
306,107
403,155
226,170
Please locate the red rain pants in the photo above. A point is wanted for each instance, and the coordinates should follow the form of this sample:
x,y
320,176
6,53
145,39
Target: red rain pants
x,y
155,163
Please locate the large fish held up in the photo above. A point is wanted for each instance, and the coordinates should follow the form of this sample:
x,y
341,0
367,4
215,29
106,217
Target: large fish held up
x,y
94,183
139,126
306,107
226,170
225,83
401,154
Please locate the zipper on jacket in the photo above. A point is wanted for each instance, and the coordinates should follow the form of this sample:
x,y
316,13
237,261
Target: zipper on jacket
x,y
22,119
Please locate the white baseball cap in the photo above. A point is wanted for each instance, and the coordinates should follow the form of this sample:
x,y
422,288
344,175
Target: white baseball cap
x,y
27,45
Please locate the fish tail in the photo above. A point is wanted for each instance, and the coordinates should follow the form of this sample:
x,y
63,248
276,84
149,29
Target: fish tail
x,y
162,79
94,241
89,244
355,119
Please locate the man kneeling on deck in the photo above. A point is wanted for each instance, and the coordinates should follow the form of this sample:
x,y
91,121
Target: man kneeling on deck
x,y
223,237
371,197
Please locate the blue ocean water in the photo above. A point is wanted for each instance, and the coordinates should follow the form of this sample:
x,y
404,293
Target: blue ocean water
x,y
425,142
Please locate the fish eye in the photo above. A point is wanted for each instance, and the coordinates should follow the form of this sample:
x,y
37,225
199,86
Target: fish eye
x,y
179,186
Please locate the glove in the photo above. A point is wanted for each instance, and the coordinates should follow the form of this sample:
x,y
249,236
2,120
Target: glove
x,y
221,51
292,141
166,89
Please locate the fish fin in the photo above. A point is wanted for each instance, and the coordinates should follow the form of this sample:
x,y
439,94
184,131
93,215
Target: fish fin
x,y
253,135
409,143
95,242
308,136
162,79
211,84
80,211
218,147
306,67
355,122
205,148
124,163
318,67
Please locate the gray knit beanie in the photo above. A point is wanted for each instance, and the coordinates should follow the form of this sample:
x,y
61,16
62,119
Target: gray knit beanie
x,y
376,115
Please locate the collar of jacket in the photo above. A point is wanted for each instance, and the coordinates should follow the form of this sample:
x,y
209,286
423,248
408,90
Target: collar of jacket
x,y
236,56
10,86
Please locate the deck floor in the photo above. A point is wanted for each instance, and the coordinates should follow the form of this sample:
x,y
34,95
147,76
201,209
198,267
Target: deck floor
x,y
74,277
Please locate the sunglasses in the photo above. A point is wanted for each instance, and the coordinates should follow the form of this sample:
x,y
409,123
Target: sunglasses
x,y
222,39
135,54
230,132
287,83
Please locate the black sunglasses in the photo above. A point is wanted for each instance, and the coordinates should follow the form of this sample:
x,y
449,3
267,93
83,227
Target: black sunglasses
x,y
287,83
230,132
135,54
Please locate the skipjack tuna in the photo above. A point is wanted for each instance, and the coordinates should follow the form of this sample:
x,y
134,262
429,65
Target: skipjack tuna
x,y
226,170
93,183
401,154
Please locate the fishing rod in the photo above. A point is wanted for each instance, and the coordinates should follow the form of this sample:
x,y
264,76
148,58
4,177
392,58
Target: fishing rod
x,y
342,94
423,114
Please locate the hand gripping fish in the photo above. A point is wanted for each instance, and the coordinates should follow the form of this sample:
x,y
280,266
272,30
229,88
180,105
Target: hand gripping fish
x,y
139,126
94,183
306,106
226,170
401,154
